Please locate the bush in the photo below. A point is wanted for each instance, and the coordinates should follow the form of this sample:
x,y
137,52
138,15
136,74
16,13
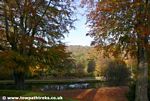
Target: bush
x,y
116,73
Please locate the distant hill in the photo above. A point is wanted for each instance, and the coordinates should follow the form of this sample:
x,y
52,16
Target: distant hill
x,y
79,53
78,49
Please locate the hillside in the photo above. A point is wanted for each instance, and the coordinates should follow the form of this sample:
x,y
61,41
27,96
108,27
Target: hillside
x,y
78,50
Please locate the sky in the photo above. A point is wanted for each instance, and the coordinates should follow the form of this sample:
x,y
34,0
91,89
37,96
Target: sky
x,y
78,36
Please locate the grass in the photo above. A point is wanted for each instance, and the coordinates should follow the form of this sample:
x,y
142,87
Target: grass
x,y
17,93
12,92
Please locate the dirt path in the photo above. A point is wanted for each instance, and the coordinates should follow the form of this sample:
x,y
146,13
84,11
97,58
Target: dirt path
x,y
101,94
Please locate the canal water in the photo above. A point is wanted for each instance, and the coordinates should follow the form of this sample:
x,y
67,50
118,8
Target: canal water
x,y
57,86
60,87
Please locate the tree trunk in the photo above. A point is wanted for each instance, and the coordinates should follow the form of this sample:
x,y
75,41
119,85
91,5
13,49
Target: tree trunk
x,y
142,78
142,83
19,80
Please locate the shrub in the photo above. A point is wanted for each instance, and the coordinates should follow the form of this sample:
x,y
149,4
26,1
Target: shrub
x,y
116,73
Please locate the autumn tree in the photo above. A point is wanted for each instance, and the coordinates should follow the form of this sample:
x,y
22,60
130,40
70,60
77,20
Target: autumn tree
x,y
29,28
61,61
91,66
101,59
123,27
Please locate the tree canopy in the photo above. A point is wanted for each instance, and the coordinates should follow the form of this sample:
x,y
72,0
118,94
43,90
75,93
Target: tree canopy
x,y
123,26
31,30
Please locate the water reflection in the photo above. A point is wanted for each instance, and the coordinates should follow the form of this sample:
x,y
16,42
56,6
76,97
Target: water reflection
x,y
59,87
